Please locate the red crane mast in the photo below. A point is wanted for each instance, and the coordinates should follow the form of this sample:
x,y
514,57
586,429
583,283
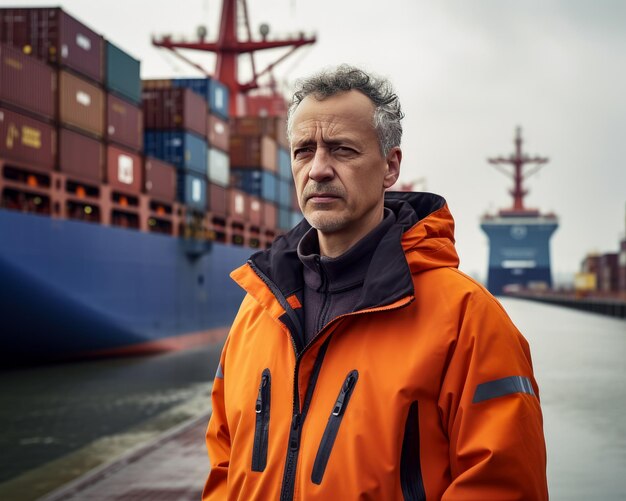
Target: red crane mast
x,y
228,48
518,160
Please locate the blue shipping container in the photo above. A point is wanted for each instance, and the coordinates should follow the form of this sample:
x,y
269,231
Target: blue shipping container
x,y
191,189
183,149
122,73
284,163
296,217
214,92
285,190
284,218
256,182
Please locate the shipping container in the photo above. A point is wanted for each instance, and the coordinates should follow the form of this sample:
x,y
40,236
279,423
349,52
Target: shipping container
x,y
608,273
255,182
124,123
218,167
283,218
255,211
183,149
266,106
284,164
294,200
218,132
159,179
191,189
238,205
26,140
123,170
81,104
217,199
27,83
214,93
80,156
159,83
253,152
122,73
296,218
52,35
285,193
275,127
179,109
270,215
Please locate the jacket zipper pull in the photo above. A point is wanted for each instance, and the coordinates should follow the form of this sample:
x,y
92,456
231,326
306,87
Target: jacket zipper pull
x,y
259,399
345,390
294,441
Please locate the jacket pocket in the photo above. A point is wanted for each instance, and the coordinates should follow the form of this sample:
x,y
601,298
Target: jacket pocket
x,y
410,465
332,427
262,427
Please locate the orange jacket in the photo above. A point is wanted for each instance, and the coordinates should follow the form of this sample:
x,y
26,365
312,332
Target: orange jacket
x,y
426,391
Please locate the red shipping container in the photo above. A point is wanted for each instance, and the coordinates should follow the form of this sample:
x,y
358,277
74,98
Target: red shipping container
x,y
123,170
164,83
124,123
27,83
54,36
80,156
255,211
218,199
238,204
253,152
218,133
81,104
176,108
270,215
24,139
275,127
270,106
160,179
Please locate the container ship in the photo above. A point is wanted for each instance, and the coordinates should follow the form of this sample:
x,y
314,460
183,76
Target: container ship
x,y
519,237
124,204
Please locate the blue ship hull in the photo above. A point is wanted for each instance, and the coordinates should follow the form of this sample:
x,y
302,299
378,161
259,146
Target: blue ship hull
x,y
70,289
519,252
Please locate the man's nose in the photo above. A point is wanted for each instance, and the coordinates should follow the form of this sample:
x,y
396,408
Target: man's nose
x,y
321,166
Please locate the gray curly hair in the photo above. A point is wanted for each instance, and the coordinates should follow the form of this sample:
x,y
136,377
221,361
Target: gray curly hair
x,y
387,111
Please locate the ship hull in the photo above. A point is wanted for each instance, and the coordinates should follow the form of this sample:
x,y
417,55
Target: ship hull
x,y
70,289
519,253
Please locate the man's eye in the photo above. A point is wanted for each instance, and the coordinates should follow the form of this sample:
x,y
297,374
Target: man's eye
x,y
344,150
300,152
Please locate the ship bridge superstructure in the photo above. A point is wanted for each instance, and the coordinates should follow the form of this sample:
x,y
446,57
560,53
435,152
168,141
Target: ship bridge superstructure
x,y
519,237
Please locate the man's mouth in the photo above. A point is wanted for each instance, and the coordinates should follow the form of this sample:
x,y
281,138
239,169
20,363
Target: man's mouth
x,y
322,197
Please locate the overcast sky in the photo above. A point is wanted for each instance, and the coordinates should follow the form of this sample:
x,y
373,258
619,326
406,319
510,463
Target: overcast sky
x,y
467,73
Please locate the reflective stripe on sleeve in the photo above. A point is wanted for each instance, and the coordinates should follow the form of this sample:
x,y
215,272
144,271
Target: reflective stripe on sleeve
x,y
219,374
502,387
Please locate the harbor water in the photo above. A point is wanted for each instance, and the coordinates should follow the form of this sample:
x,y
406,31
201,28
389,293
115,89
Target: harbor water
x,y
58,422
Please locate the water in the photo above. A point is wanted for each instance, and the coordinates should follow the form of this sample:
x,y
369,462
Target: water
x,y
56,421
580,364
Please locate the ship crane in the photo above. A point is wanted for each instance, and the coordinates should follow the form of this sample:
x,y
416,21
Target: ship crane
x,y
518,160
228,48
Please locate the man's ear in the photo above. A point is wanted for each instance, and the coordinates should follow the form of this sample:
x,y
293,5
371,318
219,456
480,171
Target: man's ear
x,y
394,158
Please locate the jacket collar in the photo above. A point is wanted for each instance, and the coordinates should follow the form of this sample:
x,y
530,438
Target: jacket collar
x,y
421,238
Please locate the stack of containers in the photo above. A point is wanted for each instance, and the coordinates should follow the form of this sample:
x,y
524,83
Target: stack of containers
x,y
124,135
215,95
288,216
76,52
254,164
175,121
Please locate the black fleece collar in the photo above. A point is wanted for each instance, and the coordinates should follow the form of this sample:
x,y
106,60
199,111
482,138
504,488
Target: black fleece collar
x,y
388,278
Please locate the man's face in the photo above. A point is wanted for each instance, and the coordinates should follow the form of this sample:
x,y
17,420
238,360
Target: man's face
x,y
339,171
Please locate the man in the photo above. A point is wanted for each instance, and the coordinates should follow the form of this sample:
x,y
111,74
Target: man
x,y
362,364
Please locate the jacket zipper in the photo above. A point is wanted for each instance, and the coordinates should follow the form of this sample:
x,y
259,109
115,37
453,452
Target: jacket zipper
x,y
261,430
293,448
411,479
332,427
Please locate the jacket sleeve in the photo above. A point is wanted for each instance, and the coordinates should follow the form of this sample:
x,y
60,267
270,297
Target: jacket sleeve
x,y
218,439
489,404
